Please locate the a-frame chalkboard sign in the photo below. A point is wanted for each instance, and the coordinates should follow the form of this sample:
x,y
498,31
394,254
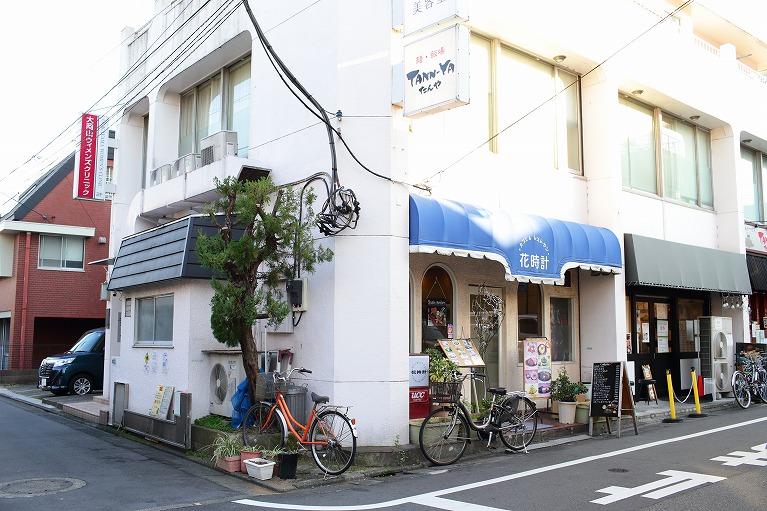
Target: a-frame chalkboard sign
x,y
611,395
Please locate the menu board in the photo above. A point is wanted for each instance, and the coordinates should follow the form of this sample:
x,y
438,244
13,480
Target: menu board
x,y
162,401
537,363
462,352
611,395
605,389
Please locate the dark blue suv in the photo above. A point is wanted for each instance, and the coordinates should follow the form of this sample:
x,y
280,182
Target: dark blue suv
x,y
79,370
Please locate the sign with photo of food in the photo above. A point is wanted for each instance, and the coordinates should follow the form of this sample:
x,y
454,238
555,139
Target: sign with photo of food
x,y
537,363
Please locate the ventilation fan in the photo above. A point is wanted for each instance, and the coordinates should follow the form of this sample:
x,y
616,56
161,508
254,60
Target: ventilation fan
x,y
219,384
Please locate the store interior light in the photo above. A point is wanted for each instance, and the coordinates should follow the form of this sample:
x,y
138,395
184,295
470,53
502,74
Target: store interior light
x,y
559,58
637,92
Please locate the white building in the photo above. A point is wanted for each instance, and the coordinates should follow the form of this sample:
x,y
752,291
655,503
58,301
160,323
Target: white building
x,y
599,162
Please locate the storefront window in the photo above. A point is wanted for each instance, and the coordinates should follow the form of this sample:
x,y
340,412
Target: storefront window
x,y
436,306
688,312
486,315
643,327
528,314
561,329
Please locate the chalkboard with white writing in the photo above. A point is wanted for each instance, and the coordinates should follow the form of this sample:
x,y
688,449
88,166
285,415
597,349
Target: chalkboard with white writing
x,y
605,389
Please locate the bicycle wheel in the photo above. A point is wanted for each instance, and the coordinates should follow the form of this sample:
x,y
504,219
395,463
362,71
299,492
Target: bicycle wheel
x,y
762,385
518,423
259,429
443,436
740,390
337,443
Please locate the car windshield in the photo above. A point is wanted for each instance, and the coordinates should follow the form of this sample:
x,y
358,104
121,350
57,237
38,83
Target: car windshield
x,y
87,342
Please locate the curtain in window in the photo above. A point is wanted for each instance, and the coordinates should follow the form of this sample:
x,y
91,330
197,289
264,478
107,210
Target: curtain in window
x,y
680,181
73,253
637,147
526,87
145,320
163,319
186,131
239,106
50,251
705,172
748,185
209,108
568,133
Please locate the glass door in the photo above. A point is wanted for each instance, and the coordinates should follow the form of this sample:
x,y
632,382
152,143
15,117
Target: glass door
x,y
652,339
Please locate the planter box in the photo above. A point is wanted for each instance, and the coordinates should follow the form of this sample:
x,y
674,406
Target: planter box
x,y
229,464
259,468
247,455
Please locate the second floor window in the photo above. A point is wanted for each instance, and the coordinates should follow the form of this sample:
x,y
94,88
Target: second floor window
x,y
154,320
752,179
665,156
61,252
220,103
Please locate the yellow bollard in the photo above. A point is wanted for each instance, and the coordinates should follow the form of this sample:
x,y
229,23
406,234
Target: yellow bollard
x,y
671,399
695,393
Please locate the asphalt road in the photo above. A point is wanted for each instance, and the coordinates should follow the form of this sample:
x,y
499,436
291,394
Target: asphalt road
x,y
60,464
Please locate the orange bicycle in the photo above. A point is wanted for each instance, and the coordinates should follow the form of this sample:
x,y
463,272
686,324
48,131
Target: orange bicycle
x,y
329,433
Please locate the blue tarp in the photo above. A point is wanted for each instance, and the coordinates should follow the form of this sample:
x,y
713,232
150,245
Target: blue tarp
x,y
240,403
531,248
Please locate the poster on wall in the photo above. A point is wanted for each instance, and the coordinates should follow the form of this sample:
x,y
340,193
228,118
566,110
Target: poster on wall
x,y
437,312
462,352
537,364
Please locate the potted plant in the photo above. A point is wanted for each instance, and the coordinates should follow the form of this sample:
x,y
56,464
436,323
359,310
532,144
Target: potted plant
x,y
274,455
440,376
565,392
260,468
288,459
248,453
226,452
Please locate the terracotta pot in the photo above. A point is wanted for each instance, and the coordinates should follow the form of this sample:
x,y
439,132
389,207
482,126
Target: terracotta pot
x,y
229,464
247,455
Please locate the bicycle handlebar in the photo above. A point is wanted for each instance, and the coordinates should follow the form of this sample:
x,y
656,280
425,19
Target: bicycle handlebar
x,y
285,375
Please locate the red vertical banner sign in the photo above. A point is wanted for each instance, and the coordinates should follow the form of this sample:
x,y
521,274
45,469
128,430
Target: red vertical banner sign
x,y
91,161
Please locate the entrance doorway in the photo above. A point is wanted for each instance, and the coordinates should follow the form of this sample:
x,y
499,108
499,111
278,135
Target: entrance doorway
x,y
652,342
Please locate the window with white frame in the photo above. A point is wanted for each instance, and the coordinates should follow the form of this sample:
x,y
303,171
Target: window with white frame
x,y
664,155
154,320
61,252
220,103
752,178
521,107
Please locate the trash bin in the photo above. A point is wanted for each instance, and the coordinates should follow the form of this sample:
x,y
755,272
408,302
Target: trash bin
x,y
295,398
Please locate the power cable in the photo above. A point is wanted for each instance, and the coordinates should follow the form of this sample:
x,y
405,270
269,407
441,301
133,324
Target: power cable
x,y
612,55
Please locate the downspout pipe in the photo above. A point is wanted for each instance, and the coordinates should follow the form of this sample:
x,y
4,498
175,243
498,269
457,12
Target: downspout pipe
x,y
24,300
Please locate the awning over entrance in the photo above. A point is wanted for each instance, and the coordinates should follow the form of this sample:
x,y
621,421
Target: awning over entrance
x,y
531,248
757,272
654,262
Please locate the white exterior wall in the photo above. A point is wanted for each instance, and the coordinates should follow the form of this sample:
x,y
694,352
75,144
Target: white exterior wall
x,y
355,335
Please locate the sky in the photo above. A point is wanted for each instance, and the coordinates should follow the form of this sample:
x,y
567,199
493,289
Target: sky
x,y
57,59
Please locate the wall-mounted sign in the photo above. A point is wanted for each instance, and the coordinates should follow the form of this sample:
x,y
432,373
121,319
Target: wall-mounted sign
x,y
437,72
537,362
91,166
420,14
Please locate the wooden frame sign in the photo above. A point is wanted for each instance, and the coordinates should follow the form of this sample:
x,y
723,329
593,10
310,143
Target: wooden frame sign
x,y
462,352
611,395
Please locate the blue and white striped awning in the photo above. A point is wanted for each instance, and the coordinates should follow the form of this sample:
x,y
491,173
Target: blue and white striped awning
x,y
530,248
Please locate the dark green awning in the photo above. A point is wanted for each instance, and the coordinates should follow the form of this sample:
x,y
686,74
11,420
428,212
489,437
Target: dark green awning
x,y
757,271
654,262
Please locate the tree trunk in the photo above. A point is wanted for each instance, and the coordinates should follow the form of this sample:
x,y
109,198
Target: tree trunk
x,y
250,359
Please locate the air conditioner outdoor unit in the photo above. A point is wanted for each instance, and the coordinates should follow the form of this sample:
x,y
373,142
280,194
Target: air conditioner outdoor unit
x,y
218,145
716,351
226,372
160,175
186,163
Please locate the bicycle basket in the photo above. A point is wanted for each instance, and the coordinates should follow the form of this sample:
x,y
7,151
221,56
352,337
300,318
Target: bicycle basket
x,y
445,391
265,386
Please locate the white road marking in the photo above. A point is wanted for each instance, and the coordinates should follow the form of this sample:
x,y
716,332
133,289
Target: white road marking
x,y
756,457
675,482
501,479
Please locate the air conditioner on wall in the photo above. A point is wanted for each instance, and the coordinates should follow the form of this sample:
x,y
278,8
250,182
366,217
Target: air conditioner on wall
x,y
226,372
186,163
716,352
160,174
218,145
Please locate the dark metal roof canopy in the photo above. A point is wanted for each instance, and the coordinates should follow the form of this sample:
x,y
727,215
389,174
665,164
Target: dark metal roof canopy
x,y
161,254
654,262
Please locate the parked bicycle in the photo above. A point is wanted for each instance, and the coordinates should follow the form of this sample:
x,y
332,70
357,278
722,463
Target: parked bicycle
x,y
328,432
750,380
446,431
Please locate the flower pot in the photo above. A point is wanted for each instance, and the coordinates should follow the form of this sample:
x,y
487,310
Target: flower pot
x,y
229,463
567,412
582,412
259,468
288,465
247,455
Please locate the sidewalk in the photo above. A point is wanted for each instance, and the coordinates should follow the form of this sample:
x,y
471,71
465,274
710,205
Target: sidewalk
x,y
370,461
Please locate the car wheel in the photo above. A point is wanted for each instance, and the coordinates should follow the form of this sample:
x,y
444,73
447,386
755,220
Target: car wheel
x,y
81,384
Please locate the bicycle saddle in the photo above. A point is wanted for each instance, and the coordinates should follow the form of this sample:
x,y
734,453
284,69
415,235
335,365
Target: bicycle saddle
x,y
499,391
319,399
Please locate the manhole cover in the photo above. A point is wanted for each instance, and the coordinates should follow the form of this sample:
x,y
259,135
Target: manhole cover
x,y
35,487
619,470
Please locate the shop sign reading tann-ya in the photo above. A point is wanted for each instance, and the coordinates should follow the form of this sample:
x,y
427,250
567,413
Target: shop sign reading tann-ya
x,y
90,170
420,14
436,72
